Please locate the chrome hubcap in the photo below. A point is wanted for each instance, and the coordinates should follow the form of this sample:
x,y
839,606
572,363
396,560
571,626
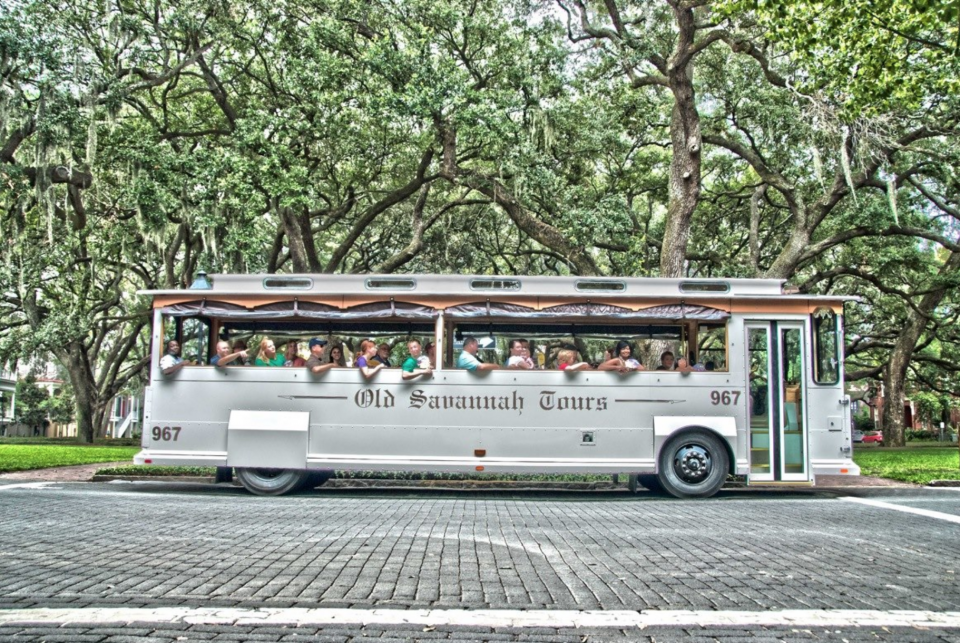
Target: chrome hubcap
x,y
692,463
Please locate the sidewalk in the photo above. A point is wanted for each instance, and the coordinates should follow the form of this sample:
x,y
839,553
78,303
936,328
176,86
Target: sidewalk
x,y
78,473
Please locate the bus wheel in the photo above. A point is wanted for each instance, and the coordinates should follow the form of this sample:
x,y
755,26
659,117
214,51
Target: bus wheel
x,y
271,482
693,464
650,482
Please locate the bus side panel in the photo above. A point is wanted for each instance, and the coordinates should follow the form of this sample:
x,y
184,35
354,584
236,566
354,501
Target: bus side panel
x,y
585,421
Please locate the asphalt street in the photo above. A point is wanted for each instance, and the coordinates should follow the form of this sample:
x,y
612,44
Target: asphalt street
x,y
102,561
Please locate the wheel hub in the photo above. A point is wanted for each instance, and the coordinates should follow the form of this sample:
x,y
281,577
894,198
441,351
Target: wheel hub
x,y
692,463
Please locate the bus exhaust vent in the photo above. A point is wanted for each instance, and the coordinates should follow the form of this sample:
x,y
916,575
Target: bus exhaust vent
x,y
381,283
495,284
600,285
288,283
704,286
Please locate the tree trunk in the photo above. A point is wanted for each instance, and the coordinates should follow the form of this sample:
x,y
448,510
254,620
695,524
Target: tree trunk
x,y
74,360
686,144
895,374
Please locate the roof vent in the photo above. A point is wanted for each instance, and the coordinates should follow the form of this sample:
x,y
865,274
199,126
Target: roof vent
x,y
390,283
704,286
495,284
600,285
288,283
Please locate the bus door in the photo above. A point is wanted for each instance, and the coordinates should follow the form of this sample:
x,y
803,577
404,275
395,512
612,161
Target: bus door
x,y
775,402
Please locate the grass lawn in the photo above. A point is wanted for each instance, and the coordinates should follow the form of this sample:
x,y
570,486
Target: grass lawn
x,y
23,457
909,464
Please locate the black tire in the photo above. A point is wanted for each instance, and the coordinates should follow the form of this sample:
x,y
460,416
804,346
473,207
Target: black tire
x,y
650,482
317,478
693,464
272,482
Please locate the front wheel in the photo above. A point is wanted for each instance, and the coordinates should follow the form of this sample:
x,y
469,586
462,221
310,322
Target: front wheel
x,y
693,464
272,482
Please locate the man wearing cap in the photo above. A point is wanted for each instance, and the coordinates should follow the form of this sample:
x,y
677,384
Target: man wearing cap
x,y
382,356
315,363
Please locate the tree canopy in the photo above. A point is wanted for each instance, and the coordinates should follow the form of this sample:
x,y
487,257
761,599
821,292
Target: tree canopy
x,y
810,141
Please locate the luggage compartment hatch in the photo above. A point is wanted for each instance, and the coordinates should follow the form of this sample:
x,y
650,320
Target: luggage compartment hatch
x,y
268,439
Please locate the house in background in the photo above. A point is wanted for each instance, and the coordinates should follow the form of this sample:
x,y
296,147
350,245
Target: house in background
x,y
8,398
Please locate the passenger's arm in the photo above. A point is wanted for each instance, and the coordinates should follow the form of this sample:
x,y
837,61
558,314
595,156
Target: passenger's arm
x,y
487,367
417,372
370,371
232,357
322,368
579,366
170,370
612,365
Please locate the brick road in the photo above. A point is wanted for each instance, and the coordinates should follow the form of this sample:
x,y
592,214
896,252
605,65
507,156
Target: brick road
x,y
80,545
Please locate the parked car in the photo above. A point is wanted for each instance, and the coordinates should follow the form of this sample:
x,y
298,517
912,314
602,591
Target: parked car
x,y
857,436
874,437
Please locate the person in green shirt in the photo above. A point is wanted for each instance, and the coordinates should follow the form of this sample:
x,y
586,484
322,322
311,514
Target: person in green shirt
x,y
268,354
417,364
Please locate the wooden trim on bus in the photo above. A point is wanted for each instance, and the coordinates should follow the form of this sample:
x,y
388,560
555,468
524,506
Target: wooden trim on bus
x,y
440,302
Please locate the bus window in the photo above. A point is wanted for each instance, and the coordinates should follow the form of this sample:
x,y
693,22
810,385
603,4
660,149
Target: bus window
x,y
826,363
712,347
195,340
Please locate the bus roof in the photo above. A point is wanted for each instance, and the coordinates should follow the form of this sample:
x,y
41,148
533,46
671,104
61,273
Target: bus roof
x,y
486,285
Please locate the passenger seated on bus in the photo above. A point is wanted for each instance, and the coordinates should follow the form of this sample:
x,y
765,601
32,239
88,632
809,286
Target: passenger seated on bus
x,y
335,356
468,357
228,357
667,361
416,365
316,362
430,352
683,366
268,354
519,356
567,361
367,350
241,346
291,355
171,362
382,356
624,362
694,364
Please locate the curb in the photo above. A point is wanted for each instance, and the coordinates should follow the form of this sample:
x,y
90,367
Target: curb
x,y
203,479
944,483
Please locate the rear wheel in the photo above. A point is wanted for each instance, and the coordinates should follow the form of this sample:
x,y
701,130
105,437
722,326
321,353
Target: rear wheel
x,y
272,482
693,464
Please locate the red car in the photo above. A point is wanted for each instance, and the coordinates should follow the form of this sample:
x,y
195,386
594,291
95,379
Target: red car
x,y
873,436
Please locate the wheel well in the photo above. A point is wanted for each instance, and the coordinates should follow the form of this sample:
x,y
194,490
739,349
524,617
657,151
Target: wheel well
x,y
731,458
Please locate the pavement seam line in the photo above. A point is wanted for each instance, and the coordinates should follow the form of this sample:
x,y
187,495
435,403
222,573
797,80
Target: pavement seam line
x,y
488,618
910,510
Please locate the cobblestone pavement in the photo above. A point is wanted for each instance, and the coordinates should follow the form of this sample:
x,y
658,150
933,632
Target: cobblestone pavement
x,y
156,544
153,633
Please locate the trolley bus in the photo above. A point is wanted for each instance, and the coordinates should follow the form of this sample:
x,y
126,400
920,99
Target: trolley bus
x,y
760,392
